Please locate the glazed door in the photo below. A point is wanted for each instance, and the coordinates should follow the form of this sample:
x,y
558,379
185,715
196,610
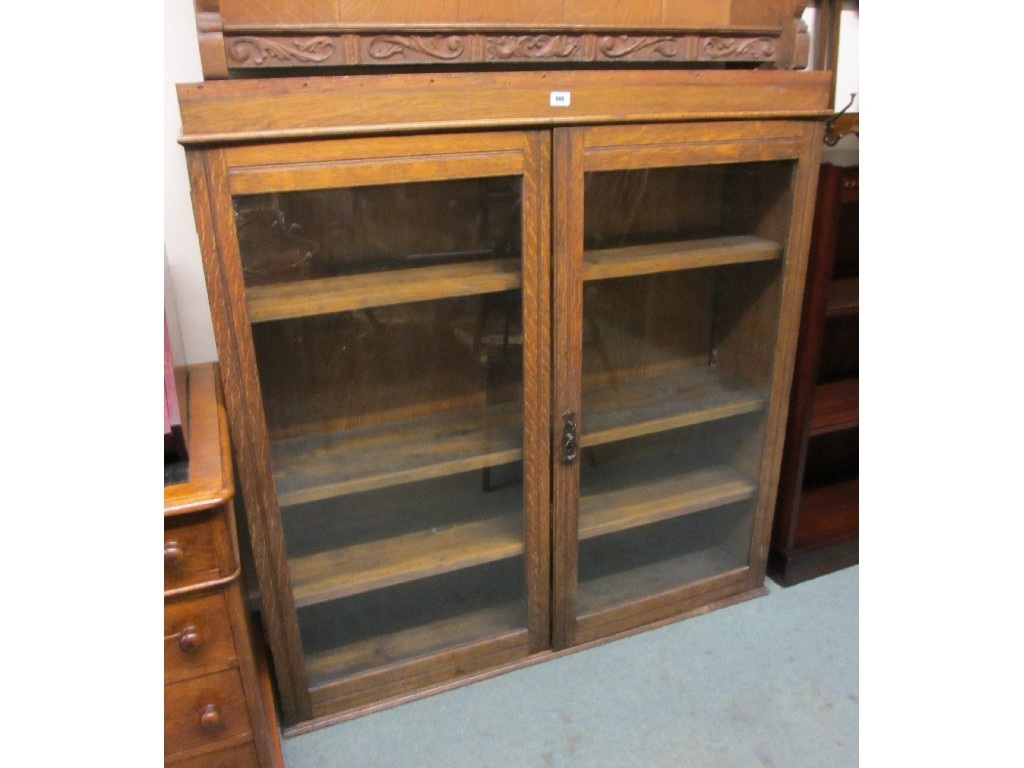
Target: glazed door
x,y
390,299
676,255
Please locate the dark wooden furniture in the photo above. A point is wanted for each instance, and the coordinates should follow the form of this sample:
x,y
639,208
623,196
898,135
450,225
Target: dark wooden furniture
x,y
817,519
218,706
506,355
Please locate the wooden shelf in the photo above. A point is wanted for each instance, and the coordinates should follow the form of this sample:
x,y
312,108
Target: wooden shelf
x,y
497,534
416,642
612,590
378,289
633,506
836,406
313,468
829,514
440,552
843,297
414,620
388,561
645,406
669,257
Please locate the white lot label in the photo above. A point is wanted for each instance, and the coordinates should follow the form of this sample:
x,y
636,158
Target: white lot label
x,y
560,98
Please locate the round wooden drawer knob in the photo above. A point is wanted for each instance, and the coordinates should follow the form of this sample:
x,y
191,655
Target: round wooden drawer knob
x,y
210,718
174,556
190,639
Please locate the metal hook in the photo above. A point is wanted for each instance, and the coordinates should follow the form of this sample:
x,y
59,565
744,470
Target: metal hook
x,y
840,113
830,138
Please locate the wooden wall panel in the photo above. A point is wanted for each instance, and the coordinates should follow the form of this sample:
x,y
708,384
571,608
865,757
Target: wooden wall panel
x,y
522,12
300,13
638,14
392,11
273,12
713,14
766,13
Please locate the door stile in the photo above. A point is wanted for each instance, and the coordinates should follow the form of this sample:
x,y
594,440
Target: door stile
x,y
537,383
222,266
797,247
567,307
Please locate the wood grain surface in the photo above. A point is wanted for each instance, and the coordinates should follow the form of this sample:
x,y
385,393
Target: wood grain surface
x,y
321,107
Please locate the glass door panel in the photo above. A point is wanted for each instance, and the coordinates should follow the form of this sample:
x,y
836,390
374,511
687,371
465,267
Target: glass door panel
x,y
387,327
681,286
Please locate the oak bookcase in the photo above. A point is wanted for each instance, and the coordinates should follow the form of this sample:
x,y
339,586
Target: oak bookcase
x,y
504,378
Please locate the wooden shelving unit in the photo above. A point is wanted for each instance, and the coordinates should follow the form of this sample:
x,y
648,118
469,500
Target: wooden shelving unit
x,y
817,515
561,427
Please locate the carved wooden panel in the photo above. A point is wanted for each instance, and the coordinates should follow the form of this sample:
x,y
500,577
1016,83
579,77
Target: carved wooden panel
x,y
273,34
270,51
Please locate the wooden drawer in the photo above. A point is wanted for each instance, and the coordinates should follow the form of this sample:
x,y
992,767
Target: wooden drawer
x,y
197,637
195,550
233,757
204,710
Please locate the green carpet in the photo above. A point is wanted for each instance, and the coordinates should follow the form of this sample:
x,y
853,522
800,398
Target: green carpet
x,y
770,683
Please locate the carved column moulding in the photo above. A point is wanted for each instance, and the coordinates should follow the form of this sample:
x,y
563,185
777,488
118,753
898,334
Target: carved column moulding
x,y
365,49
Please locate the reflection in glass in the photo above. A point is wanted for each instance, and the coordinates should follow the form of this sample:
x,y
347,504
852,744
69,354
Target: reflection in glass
x,y
682,283
328,232
387,330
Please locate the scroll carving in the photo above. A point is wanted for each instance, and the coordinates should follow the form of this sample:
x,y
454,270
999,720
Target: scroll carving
x,y
444,48
623,45
532,46
258,50
758,49
358,49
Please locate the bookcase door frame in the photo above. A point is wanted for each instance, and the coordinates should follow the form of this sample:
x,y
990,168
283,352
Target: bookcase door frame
x,y
217,175
581,150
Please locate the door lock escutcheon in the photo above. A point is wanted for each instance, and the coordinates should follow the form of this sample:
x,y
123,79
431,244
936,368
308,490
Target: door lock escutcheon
x,y
570,441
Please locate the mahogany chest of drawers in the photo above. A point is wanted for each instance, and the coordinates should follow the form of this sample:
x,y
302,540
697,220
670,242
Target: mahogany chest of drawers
x,y
218,708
